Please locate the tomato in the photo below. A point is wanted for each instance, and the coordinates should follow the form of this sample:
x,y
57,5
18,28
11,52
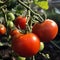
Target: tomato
x,y
10,24
2,29
26,45
46,30
11,16
21,58
20,22
14,32
41,46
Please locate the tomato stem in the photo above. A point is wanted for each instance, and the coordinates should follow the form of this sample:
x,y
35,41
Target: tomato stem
x,y
45,55
5,17
30,58
26,6
28,17
44,13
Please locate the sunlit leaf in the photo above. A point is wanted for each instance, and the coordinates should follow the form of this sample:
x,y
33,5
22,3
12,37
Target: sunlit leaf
x,y
42,4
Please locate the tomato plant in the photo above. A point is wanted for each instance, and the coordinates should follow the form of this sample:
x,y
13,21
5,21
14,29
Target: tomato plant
x,y
20,22
26,45
46,30
22,34
2,29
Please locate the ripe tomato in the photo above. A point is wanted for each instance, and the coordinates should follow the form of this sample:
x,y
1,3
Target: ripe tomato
x,y
14,32
46,31
20,22
26,45
2,29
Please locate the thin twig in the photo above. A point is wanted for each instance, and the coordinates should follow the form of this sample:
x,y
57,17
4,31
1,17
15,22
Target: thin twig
x,y
55,45
5,17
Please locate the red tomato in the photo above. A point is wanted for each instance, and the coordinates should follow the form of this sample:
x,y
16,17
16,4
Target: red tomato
x,y
2,29
26,45
46,31
20,22
14,32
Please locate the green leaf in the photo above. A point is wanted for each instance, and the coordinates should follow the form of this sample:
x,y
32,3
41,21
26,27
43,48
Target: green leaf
x,y
42,4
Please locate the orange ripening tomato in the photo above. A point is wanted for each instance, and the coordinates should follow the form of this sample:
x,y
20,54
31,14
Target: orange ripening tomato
x,y
2,29
20,22
26,45
46,30
15,33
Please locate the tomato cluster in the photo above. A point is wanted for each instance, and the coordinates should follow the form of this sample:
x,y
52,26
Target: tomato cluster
x,y
29,44
22,29
25,45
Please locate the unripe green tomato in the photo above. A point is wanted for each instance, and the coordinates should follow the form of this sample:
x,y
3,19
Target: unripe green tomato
x,y
41,46
10,24
10,16
21,58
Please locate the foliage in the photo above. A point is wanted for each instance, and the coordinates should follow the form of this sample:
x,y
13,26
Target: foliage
x,y
34,11
42,3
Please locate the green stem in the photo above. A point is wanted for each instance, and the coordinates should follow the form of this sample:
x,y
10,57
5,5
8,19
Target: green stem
x,y
19,1
30,58
5,17
55,45
28,17
28,2
45,55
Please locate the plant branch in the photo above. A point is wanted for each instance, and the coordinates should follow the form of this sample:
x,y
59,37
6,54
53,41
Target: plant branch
x,y
5,17
19,1
3,2
55,45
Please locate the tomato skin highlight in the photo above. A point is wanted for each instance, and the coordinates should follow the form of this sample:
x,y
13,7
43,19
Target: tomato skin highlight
x,y
2,29
46,31
20,22
26,45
